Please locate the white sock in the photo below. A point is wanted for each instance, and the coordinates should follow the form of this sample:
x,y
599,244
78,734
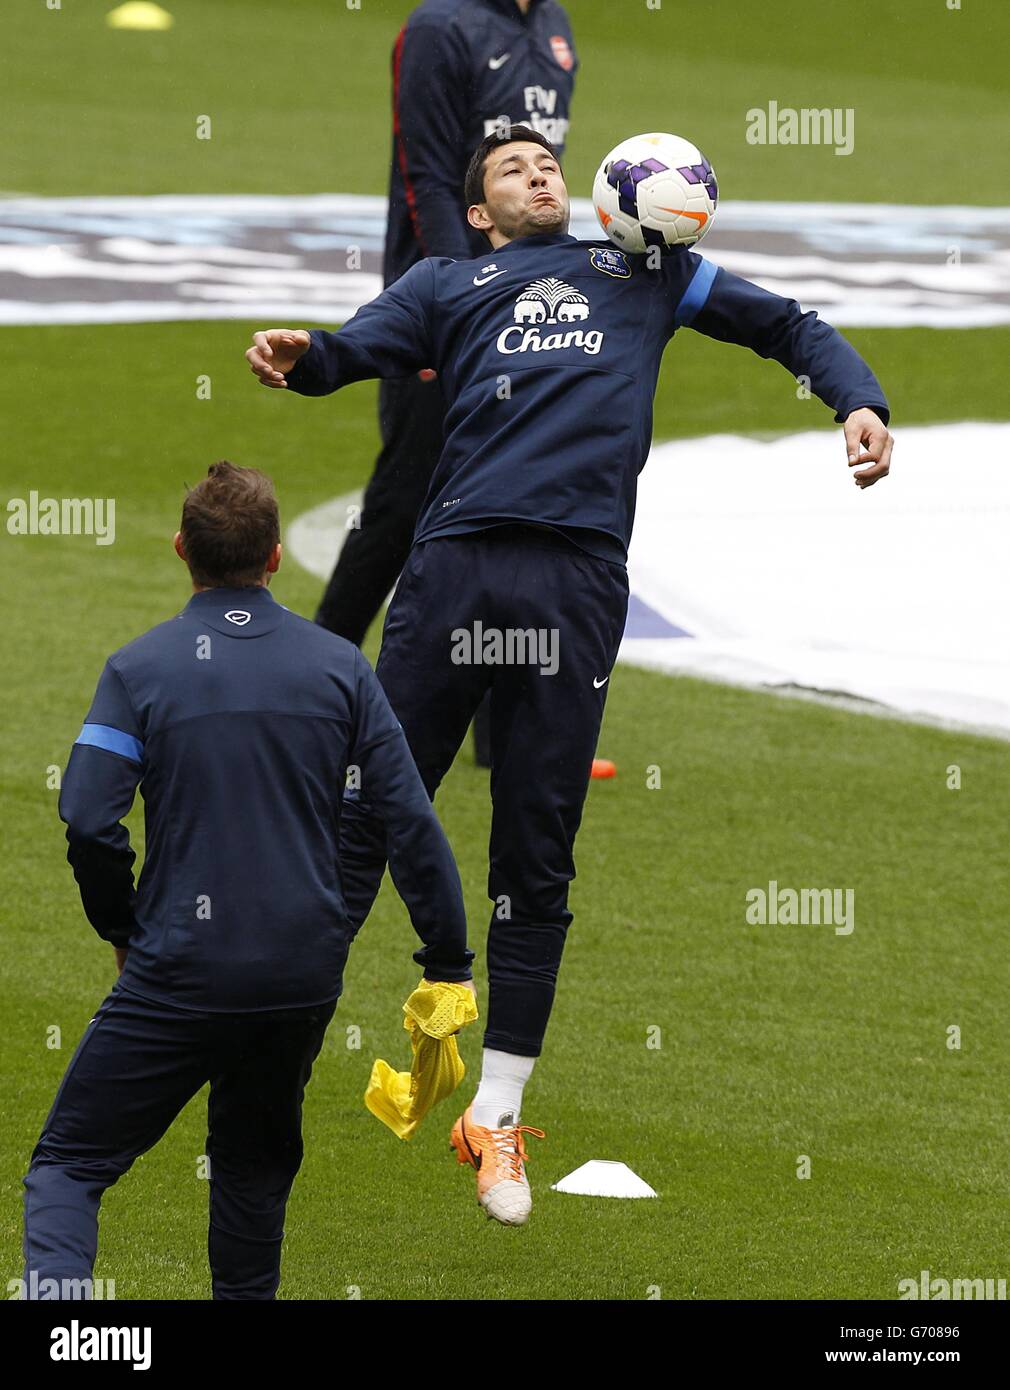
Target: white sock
x,y
499,1097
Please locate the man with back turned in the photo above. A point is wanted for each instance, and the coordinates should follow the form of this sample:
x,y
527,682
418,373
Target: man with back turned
x,y
240,721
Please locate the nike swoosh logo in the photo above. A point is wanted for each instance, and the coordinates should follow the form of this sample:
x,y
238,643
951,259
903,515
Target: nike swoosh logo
x,y
597,684
700,217
478,280
475,1154
495,63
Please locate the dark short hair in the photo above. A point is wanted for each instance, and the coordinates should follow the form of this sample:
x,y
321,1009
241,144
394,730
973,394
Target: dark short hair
x,y
230,525
473,186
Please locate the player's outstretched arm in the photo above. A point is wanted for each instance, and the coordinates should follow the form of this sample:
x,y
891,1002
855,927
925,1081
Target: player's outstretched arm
x,y
391,336
731,309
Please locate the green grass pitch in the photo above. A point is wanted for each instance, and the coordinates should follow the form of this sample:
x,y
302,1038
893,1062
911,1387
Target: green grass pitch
x,y
775,1042
298,95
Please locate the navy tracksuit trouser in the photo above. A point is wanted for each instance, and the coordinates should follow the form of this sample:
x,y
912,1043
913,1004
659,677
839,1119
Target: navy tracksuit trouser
x,y
138,1063
544,729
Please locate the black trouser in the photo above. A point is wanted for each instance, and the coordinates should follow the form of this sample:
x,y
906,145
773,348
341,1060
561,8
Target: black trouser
x,y
411,422
137,1065
544,729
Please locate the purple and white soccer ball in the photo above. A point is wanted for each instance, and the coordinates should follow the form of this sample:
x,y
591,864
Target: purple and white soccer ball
x,y
655,190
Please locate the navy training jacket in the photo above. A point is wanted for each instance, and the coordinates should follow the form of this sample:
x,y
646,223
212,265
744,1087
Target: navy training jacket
x,y
459,68
548,351
240,720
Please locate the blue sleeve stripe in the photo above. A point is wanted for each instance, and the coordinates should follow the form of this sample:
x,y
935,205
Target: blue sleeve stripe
x,y
112,740
695,295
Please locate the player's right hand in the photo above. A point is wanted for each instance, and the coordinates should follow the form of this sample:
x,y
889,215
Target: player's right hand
x,y
274,352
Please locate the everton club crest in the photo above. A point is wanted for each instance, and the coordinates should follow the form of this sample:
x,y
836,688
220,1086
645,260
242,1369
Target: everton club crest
x,y
611,262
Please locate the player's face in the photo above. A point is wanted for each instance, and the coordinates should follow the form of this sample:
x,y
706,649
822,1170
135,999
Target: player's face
x,y
524,192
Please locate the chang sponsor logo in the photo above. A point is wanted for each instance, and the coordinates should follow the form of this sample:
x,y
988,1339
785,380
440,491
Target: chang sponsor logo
x,y
546,304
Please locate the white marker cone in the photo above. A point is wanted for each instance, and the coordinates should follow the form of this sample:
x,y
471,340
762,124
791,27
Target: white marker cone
x,y
603,1177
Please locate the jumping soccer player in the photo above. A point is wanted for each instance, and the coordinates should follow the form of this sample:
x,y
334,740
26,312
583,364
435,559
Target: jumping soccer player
x,y
240,720
548,351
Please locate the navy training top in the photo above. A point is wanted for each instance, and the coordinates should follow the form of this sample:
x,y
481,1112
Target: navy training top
x,y
548,351
240,720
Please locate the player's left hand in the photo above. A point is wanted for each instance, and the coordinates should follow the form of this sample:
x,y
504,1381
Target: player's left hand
x,y
121,952
274,353
864,426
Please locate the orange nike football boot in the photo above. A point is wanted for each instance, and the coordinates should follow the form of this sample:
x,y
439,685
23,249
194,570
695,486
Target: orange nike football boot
x,y
499,1156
